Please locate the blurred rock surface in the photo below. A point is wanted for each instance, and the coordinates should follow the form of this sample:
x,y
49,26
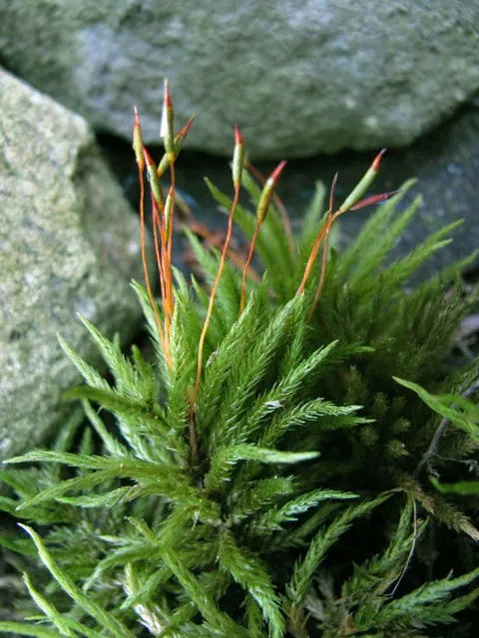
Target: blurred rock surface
x,y
300,77
69,244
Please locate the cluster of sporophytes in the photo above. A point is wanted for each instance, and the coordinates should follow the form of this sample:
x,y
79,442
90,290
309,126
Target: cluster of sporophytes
x,y
293,459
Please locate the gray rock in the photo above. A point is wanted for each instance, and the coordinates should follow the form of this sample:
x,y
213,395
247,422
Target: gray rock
x,y
68,244
300,77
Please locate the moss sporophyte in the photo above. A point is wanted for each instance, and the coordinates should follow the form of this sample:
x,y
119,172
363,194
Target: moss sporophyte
x,y
269,471
162,224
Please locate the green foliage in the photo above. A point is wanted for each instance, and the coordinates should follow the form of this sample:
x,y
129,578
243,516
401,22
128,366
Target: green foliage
x,y
292,496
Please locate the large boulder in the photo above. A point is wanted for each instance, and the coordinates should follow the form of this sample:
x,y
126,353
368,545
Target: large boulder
x,y
299,77
68,244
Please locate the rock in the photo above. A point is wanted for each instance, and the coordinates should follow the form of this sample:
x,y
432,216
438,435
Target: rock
x,y
299,77
68,244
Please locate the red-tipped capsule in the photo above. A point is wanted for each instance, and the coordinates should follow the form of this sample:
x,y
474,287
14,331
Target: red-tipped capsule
x,y
170,198
148,159
377,160
185,130
238,137
138,141
373,199
267,192
274,177
363,185
166,127
238,158
153,178
179,138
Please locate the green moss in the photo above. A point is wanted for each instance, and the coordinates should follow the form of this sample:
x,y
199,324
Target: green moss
x,y
283,487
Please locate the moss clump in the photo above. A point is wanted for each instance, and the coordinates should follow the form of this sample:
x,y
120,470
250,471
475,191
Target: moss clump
x,y
292,460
